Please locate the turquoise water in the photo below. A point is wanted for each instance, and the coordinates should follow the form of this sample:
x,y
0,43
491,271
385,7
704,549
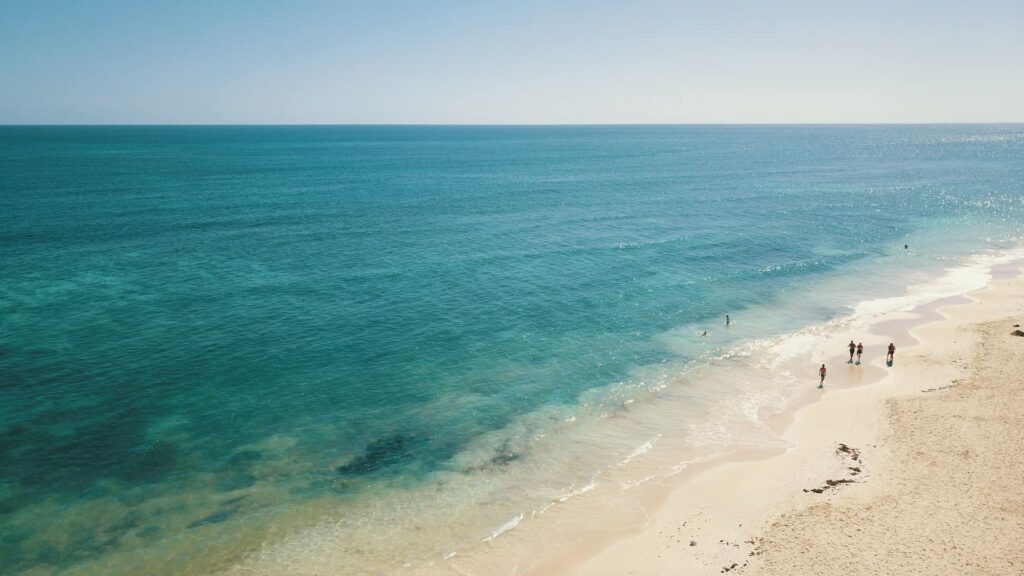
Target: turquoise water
x,y
201,327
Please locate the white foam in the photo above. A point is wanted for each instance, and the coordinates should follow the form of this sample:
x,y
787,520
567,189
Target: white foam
x,y
578,491
973,274
686,464
505,527
634,483
640,450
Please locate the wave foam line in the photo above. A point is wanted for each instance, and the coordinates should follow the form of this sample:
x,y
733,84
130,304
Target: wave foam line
x,y
640,450
505,527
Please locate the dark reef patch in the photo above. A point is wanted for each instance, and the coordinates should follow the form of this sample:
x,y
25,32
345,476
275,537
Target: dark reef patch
x,y
215,518
236,482
385,453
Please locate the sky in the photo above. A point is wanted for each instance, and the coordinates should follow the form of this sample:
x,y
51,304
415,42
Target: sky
x,y
525,62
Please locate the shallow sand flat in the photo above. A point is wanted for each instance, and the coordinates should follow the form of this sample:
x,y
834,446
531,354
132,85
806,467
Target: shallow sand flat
x,y
921,472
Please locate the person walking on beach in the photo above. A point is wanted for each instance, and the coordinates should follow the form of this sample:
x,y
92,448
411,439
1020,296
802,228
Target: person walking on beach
x,y
821,372
853,348
860,350
892,353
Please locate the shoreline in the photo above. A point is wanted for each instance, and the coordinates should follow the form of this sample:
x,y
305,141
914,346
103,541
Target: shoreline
x,y
726,509
623,519
593,534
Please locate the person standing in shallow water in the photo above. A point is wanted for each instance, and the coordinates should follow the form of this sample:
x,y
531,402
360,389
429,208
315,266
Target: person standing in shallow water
x,y
853,348
892,353
860,350
726,319
821,372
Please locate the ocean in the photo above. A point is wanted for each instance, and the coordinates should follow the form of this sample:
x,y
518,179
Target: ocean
x,y
374,347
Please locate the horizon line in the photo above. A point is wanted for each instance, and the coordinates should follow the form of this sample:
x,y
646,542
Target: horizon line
x,y
494,125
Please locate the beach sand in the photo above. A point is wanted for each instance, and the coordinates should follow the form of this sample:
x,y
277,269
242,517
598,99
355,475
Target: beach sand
x,y
916,468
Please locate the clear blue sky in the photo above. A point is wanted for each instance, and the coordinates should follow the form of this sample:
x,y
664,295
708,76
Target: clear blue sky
x,y
512,62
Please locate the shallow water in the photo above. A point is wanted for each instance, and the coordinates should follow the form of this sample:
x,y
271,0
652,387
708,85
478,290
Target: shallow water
x,y
216,339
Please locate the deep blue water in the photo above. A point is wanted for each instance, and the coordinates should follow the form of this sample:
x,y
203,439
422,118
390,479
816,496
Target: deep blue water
x,y
173,297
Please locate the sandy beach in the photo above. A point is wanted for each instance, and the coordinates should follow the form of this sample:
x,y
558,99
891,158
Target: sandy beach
x,y
910,469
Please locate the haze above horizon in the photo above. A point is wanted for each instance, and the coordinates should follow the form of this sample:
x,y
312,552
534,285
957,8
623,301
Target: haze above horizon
x,y
455,62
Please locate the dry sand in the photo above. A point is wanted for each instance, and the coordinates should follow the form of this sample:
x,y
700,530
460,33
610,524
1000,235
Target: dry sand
x,y
919,472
